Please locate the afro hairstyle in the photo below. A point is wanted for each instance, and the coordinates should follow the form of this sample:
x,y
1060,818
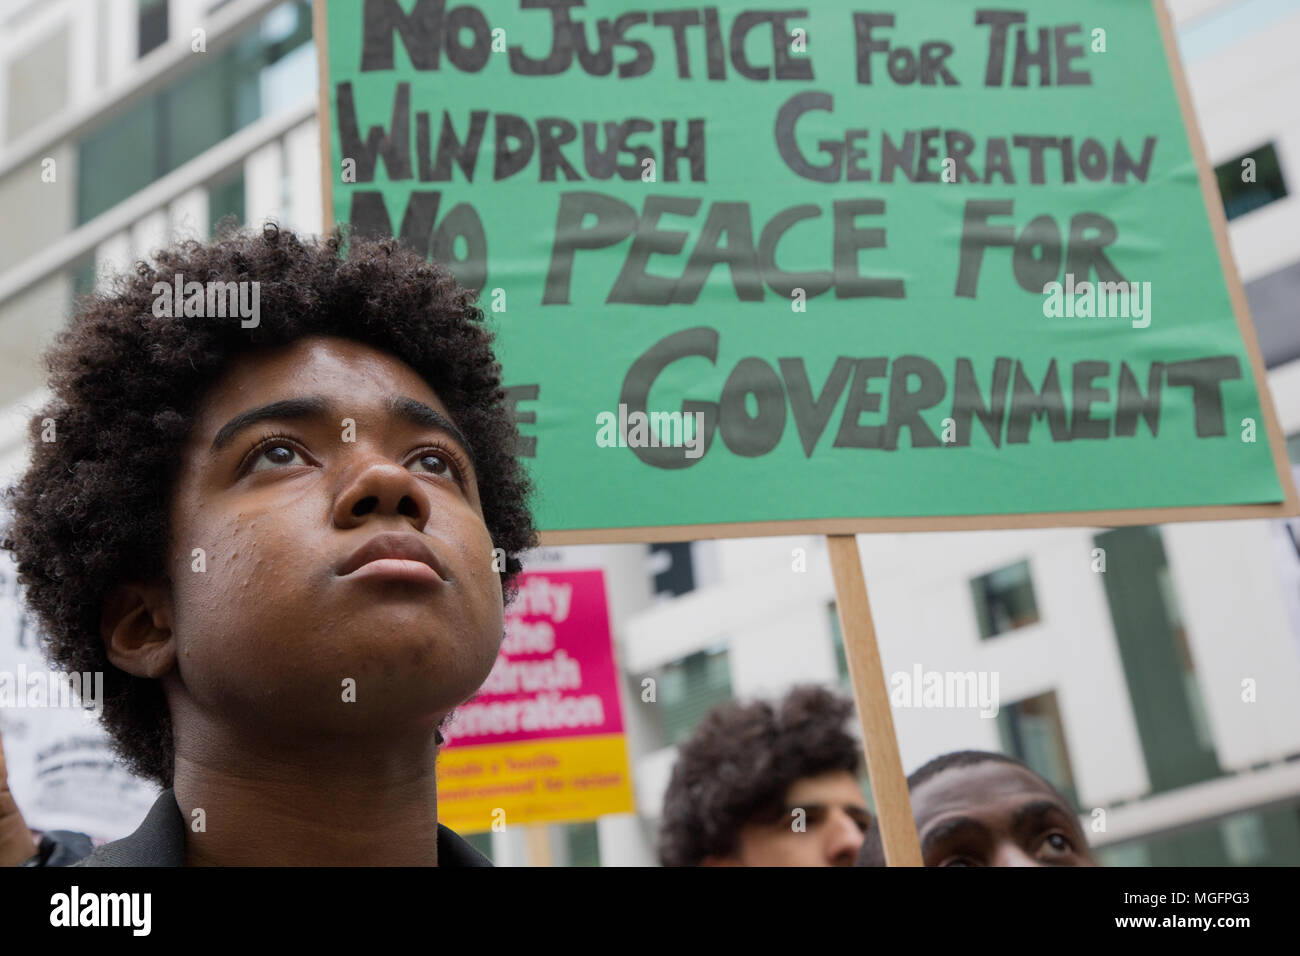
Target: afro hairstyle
x,y
91,511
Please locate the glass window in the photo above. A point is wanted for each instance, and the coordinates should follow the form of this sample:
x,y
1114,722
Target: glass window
x,y
1250,838
120,161
268,68
686,690
226,199
1004,600
583,844
1031,731
1174,612
673,570
151,22
1245,839
1246,189
1159,667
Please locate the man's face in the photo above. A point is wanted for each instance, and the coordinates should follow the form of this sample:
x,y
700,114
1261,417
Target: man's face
x,y
289,607
995,814
828,832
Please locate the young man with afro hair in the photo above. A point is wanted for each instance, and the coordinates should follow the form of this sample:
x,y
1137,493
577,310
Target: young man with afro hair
x,y
764,784
282,543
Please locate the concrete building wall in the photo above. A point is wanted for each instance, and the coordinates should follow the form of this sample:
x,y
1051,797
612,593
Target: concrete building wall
x,y
1245,96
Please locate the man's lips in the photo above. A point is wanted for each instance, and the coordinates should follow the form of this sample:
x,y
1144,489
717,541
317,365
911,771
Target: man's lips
x,y
396,551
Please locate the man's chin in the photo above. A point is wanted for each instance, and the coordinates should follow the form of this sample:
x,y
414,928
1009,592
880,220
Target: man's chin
x,y
389,712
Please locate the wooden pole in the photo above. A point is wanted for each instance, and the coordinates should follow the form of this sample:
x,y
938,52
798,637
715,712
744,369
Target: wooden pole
x,y
884,766
539,846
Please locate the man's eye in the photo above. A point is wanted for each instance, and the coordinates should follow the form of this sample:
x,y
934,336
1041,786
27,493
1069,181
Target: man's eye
x,y
864,823
434,464
958,861
1057,844
276,456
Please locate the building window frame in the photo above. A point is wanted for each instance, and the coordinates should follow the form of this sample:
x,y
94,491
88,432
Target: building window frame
x,y
1005,599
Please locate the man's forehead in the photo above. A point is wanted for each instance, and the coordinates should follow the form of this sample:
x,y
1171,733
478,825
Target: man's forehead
x,y
357,379
991,787
838,786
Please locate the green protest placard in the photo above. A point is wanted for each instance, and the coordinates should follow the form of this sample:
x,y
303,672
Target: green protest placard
x,y
759,268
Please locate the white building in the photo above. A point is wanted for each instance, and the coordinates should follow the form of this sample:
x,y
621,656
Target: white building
x,y
124,122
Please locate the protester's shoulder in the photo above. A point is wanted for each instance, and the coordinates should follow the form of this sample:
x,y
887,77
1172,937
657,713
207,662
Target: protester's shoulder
x,y
158,841
108,854
454,850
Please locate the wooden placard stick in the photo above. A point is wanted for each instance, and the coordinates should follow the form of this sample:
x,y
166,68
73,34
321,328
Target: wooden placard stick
x,y
884,766
539,845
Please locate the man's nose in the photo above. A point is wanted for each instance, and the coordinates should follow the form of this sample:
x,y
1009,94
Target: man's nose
x,y
1010,853
381,487
843,839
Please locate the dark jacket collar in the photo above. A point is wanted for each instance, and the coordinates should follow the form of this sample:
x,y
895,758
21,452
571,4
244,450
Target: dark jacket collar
x,y
160,841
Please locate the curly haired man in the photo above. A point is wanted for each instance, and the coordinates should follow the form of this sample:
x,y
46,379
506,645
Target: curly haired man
x,y
764,784
280,541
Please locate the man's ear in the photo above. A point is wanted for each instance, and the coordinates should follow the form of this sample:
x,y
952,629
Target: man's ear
x,y
136,626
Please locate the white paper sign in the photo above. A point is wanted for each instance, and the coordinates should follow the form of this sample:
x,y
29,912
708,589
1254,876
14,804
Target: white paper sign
x,y
62,772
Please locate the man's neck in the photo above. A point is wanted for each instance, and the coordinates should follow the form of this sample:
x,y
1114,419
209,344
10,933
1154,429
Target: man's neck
x,y
369,808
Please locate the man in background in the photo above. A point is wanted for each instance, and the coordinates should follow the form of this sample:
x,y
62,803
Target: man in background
x,y
977,808
767,785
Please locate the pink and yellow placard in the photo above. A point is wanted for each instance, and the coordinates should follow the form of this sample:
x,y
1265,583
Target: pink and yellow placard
x,y
542,741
